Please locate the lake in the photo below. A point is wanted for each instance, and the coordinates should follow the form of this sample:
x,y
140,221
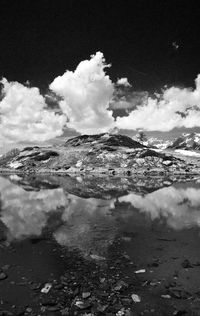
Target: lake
x,y
99,246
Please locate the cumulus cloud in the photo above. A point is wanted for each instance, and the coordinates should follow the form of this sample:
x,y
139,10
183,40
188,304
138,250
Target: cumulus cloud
x,y
86,94
24,115
123,82
89,97
86,100
176,107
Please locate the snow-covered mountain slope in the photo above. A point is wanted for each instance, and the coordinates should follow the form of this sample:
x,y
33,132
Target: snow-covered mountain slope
x,y
152,142
189,141
157,143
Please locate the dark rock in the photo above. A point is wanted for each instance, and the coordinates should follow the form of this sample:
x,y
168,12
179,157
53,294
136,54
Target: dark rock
x,y
197,263
180,313
186,264
76,291
35,286
180,294
48,302
58,286
20,311
154,263
53,308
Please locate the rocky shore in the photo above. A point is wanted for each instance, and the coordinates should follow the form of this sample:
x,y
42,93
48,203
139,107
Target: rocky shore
x,y
96,154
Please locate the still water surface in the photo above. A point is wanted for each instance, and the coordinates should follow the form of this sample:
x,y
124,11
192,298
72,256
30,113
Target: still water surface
x,y
38,209
45,221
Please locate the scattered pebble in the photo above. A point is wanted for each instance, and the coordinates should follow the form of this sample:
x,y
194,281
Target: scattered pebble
x,y
136,298
46,288
82,305
140,271
121,312
96,257
86,295
3,276
155,283
102,280
167,296
126,238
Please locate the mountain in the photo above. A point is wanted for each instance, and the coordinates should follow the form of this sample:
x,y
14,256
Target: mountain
x,y
189,141
151,142
95,154
157,143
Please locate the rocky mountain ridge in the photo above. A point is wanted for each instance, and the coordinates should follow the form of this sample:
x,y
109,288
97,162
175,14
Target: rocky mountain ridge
x,y
156,143
101,154
189,141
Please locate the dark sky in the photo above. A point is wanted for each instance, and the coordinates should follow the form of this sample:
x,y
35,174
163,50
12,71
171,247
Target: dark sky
x,y
40,39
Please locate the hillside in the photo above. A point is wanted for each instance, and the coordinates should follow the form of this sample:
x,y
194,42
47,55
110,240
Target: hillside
x,y
102,153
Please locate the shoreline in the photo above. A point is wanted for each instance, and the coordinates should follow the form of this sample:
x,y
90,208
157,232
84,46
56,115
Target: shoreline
x,y
106,172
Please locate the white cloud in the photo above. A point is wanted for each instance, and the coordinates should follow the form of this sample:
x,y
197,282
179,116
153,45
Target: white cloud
x,y
86,98
24,115
164,113
123,82
86,94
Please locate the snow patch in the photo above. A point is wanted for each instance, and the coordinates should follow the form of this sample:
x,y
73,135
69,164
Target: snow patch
x,y
15,164
187,153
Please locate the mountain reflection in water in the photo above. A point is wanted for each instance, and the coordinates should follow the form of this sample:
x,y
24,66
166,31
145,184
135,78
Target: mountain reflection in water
x,y
89,224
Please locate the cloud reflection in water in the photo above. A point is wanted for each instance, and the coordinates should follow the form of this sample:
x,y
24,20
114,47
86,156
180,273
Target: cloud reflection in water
x,y
91,224
25,213
180,207
85,224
